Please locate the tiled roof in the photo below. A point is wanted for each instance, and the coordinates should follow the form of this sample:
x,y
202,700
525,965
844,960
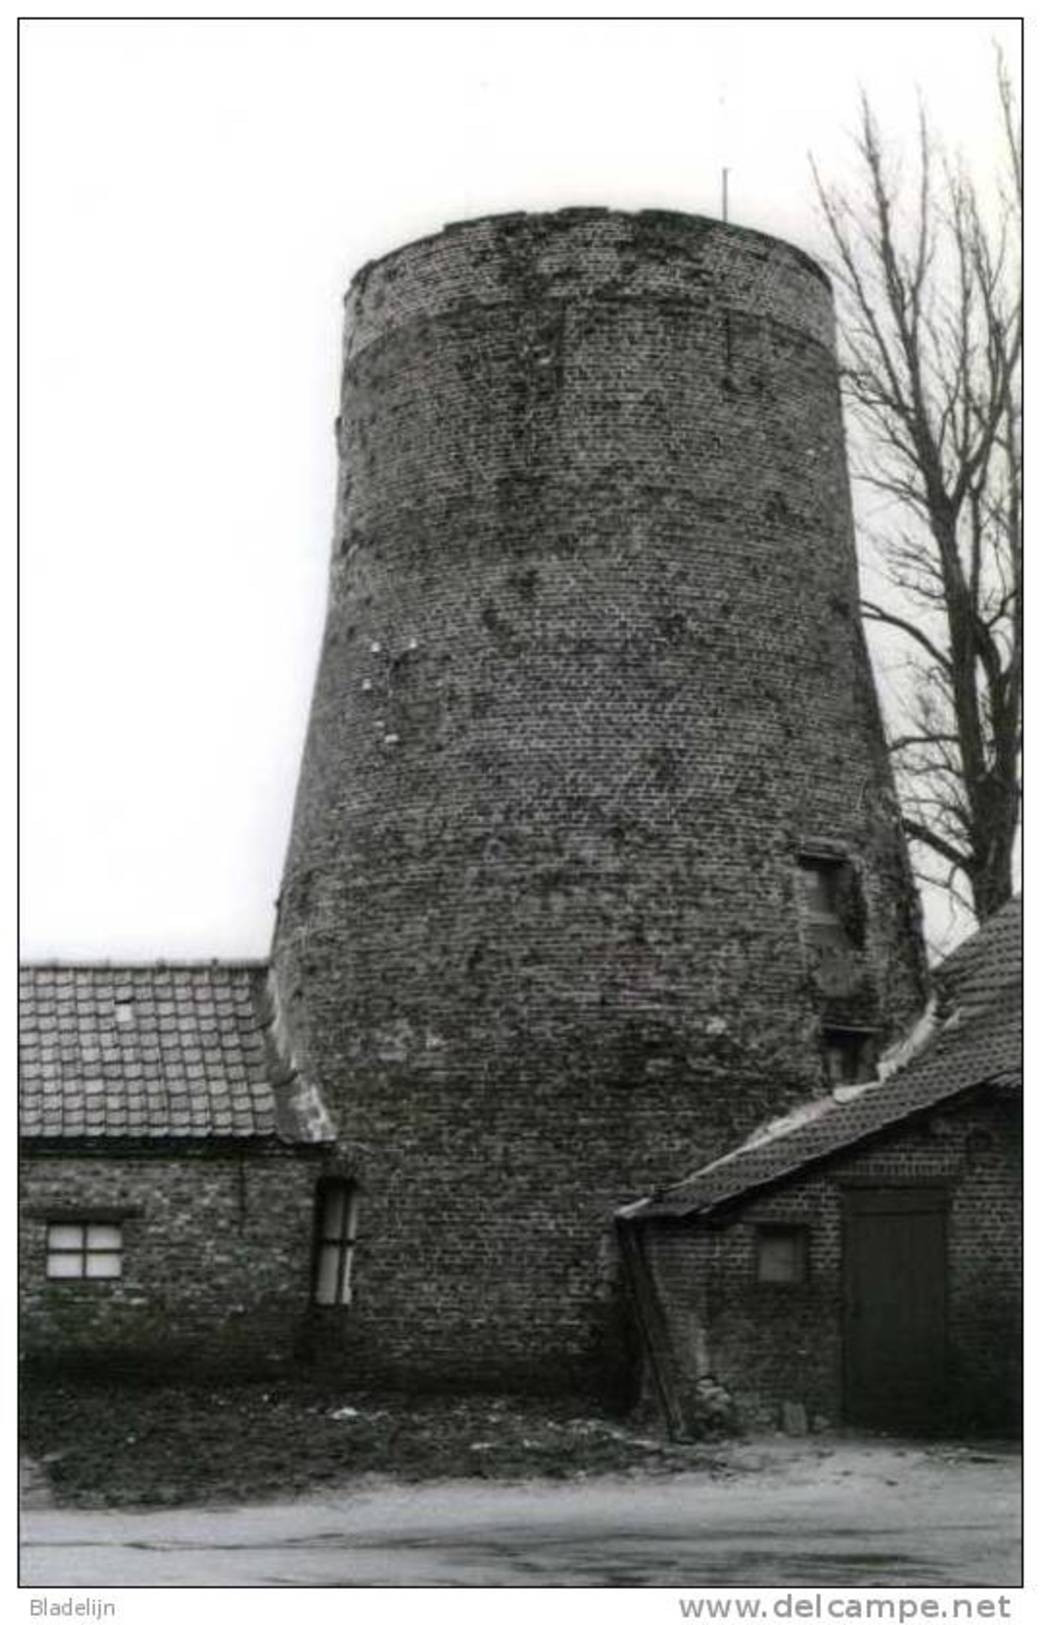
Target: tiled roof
x,y
988,961
975,1038
147,1052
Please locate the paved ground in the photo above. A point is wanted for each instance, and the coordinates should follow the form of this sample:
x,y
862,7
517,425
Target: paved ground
x,y
785,1512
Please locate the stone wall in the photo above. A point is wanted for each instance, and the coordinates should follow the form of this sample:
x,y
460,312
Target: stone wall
x,y
216,1260
592,674
769,1343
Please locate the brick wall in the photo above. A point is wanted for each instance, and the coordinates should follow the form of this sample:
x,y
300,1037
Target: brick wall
x,y
767,1343
216,1263
592,671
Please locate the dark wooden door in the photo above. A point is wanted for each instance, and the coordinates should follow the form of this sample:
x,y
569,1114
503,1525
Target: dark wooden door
x,y
895,1268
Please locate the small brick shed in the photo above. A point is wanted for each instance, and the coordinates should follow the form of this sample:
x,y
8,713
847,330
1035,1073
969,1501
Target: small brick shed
x,y
170,1164
858,1261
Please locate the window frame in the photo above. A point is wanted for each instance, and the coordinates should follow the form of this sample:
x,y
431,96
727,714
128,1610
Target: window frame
x,y
839,925
862,1040
85,1251
824,926
340,1244
799,1234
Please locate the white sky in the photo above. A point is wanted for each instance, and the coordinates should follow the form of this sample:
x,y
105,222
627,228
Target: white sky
x,y
195,197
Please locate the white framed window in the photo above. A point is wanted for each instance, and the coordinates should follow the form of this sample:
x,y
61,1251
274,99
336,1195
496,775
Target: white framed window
x,y
336,1227
84,1250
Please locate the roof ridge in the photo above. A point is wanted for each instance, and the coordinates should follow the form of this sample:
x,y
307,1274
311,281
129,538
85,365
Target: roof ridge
x,y
147,1051
970,1041
144,964
669,1197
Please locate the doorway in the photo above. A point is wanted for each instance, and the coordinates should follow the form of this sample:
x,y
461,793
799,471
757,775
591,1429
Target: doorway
x,y
895,1302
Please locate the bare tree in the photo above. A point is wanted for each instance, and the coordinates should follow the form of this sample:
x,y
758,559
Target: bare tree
x,y
928,290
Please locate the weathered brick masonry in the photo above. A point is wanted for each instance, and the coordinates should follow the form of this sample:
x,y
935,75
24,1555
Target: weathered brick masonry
x,y
861,1256
216,1269
155,1105
770,1343
592,675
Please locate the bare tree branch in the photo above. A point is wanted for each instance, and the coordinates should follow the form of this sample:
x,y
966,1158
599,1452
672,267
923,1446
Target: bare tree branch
x,y
930,318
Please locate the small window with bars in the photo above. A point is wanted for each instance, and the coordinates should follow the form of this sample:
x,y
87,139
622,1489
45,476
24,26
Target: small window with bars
x,y
336,1226
86,1250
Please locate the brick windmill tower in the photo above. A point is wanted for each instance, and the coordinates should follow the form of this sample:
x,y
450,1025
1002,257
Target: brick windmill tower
x,y
593,864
